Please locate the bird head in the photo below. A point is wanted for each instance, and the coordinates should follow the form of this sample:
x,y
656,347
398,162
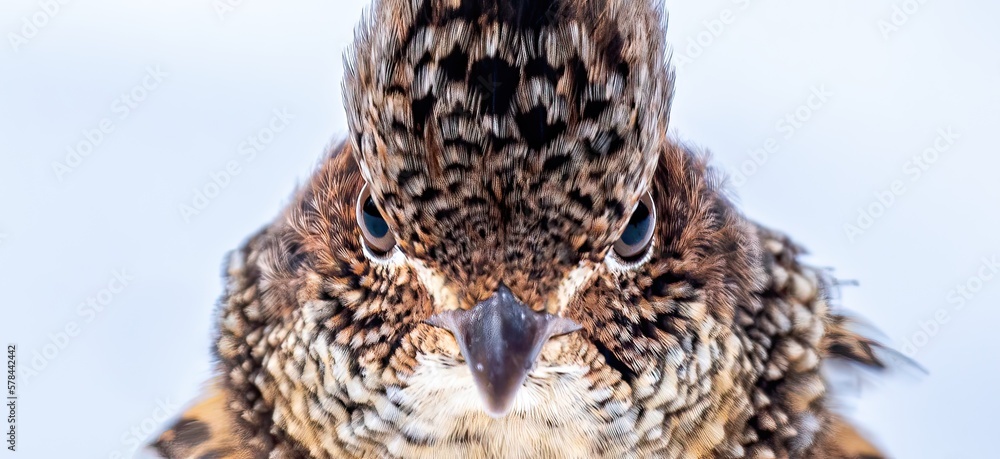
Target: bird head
x,y
507,149
507,204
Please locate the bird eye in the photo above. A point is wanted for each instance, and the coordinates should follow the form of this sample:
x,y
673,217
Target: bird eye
x,y
639,231
373,225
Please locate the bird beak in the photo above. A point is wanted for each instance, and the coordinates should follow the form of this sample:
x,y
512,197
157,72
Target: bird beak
x,y
500,339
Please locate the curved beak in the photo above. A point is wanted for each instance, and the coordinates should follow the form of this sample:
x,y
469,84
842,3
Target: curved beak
x,y
500,339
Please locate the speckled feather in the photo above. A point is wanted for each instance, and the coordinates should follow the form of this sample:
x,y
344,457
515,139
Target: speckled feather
x,y
508,142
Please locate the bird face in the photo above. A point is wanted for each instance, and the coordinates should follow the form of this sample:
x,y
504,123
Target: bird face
x,y
508,154
508,231
477,274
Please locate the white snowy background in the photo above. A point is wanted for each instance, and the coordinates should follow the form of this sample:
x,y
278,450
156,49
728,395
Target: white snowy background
x,y
107,287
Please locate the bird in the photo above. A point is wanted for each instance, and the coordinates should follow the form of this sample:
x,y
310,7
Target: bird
x,y
509,257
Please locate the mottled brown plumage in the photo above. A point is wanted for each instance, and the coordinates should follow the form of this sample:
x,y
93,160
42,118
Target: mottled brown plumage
x,y
506,145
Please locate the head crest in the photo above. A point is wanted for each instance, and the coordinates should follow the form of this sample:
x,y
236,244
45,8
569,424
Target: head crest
x,y
474,116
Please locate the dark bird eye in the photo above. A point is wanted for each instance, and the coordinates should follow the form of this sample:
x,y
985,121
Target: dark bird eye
x,y
639,231
373,225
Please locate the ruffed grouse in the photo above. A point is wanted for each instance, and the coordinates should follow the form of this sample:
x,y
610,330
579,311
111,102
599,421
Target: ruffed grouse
x,y
509,258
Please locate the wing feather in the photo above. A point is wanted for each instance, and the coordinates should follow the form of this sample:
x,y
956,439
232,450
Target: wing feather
x,y
205,430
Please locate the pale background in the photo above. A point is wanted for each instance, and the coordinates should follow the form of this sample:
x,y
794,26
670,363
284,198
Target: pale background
x,y
61,241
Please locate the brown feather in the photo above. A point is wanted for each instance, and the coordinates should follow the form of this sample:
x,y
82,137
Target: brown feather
x,y
206,430
509,143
